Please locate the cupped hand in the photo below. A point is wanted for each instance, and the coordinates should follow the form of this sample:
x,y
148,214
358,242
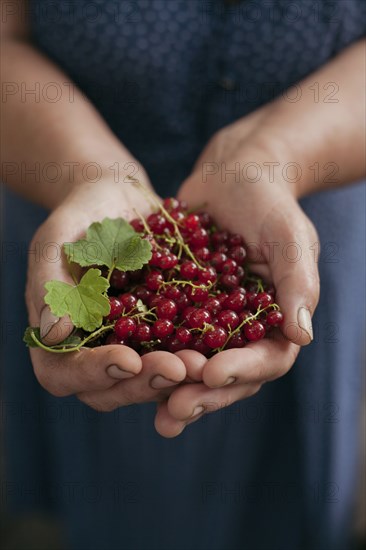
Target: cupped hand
x,y
108,376
236,182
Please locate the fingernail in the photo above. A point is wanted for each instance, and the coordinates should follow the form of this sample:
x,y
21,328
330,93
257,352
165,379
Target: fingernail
x,y
304,320
159,382
230,380
48,320
198,410
115,371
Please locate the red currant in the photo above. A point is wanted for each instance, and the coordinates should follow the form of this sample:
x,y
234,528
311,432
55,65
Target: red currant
x,y
274,318
215,337
254,331
162,328
166,309
125,327
116,308
119,279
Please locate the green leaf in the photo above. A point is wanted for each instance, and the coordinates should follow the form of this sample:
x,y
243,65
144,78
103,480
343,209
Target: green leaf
x,y
113,243
85,303
27,338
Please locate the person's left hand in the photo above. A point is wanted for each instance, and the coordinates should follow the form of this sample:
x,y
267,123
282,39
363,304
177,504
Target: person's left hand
x,y
281,241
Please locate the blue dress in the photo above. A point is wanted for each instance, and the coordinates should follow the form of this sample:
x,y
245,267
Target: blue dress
x,y
279,470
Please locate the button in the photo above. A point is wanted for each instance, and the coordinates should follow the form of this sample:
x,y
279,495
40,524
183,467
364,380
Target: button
x,y
227,83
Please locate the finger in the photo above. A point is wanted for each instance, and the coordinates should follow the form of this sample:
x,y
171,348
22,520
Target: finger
x,y
84,370
165,424
161,372
294,269
191,400
193,362
50,264
256,363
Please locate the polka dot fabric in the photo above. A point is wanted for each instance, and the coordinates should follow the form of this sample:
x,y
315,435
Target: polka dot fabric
x,y
167,74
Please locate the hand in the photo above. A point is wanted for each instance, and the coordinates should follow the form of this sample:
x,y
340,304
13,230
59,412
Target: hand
x,y
109,376
268,216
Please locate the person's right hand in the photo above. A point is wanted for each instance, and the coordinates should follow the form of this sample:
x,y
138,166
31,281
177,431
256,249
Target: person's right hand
x,y
106,377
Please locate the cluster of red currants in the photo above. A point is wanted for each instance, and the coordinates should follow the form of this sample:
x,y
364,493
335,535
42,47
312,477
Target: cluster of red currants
x,y
195,293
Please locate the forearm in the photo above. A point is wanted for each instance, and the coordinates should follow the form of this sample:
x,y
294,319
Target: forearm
x,y
47,146
324,134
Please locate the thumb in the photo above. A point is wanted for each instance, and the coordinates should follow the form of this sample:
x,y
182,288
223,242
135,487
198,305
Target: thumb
x,y
47,262
294,271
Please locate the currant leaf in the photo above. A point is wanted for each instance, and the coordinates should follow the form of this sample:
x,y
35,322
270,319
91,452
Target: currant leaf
x,y
113,243
85,303
27,338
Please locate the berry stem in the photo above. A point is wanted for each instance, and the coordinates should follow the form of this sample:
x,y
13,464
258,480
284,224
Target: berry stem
x,y
247,320
63,349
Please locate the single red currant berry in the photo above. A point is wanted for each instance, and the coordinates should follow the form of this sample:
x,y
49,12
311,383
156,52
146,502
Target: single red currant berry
x,y
189,270
199,345
172,292
222,297
254,331
137,225
168,261
203,254
116,308
199,238
236,341
219,237
119,279
166,309
125,327
235,301
178,216
186,313
230,281
182,301
157,223
235,239
262,300
199,294
155,300
198,318
155,258
251,296
171,204
244,315
213,305
274,318
208,275
128,300
192,222
229,266
142,333
223,248
154,280
228,319
238,254
215,337
240,272
184,335
217,260
144,294
205,219
162,328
